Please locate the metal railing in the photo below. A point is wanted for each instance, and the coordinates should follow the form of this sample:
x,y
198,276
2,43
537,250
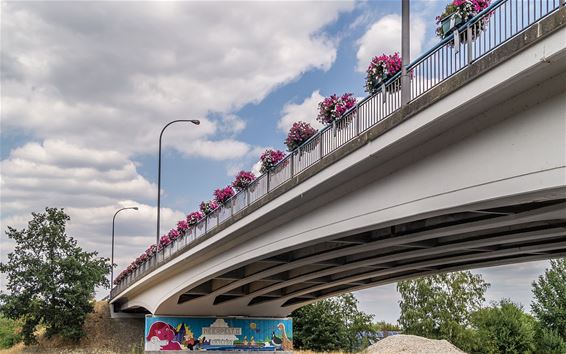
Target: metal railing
x,y
491,28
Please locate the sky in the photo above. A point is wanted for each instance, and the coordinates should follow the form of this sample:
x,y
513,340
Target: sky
x,y
88,85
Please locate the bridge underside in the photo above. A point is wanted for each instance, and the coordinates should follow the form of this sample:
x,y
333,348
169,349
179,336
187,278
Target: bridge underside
x,y
463,240
472,180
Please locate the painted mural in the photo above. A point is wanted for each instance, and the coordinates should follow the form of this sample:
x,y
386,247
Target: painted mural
x,y
227,333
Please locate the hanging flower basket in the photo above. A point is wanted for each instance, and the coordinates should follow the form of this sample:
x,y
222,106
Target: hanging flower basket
x,y
333,107
182,227
457,13
194,217
380,69
243,180
269,159
208,207
221,195
299,133
173,234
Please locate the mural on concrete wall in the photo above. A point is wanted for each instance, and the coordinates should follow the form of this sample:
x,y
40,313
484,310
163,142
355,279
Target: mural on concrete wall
x,y
203,333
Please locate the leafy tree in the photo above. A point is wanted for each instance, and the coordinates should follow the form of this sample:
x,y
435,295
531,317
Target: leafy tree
x,y
50,280
549,305
440,306
504,328
334,324
549,342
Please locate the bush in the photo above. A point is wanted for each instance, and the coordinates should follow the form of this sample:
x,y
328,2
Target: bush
x,y
504,328
9,332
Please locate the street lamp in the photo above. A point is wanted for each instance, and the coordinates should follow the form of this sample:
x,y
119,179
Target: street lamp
x,y
112,260
195,122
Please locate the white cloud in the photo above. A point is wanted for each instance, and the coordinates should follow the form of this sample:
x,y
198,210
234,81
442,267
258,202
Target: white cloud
x,y
384,37
306,111
53,174
115,77
91,190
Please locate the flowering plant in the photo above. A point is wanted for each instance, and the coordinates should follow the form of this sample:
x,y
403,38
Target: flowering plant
x,y
243,180
380,69
173,234
194,217
182,227
221,195
333,107
150,251
269,159
164,241
298,134
208,207
463,10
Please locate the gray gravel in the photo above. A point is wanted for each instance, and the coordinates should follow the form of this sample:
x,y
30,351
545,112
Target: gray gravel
x,y
408,344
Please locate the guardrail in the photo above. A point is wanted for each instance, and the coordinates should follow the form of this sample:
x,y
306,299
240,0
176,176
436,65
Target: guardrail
x,y
491,28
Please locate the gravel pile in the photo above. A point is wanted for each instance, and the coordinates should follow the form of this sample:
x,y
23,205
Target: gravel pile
x,y
407,344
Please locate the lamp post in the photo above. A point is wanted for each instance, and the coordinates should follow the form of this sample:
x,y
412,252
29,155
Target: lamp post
x,y
195,122
112,260
405,53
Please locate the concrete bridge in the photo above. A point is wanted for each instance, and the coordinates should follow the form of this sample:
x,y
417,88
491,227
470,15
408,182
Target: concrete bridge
x,y
470,173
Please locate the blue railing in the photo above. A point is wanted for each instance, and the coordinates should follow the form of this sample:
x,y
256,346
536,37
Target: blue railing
x,y
492,27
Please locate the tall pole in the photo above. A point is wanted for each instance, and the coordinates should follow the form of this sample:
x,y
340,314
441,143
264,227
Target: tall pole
x,y
112,259
195,122
405,53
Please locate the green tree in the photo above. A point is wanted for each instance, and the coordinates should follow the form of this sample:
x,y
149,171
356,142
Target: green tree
x,y
549,305
440,306
334,324
504,328
50,280
549,342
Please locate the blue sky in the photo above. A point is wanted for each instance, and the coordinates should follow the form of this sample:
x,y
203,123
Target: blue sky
x,y
87,86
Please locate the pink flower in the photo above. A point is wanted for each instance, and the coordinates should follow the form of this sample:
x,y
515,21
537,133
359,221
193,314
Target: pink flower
x,y
381,69
221,195
208,207
333,107
299,133
173,234
242,180
182,226
270,158
164,241
194,217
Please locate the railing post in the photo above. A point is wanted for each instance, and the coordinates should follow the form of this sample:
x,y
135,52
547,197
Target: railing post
x,y
292,162
357,119
247,196
470,43
232,207
320,144
267,176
